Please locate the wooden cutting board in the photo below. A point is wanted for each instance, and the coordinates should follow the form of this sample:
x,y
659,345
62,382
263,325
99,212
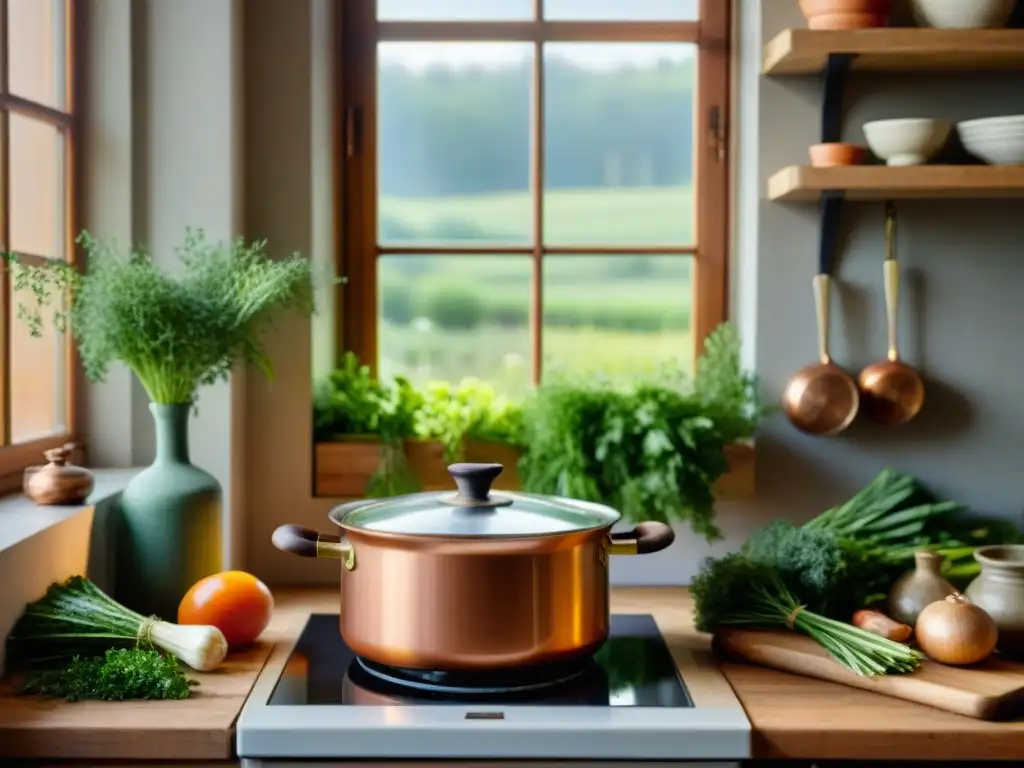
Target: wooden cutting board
x,y
992,690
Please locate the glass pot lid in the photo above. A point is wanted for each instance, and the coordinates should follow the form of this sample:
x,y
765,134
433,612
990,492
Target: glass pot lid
x,y
473,511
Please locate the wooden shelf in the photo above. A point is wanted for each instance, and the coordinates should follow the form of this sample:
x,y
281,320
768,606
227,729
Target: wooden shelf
x,y
879,182
804,51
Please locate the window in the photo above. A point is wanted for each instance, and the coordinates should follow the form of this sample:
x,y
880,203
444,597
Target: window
x,y
532,187
36,222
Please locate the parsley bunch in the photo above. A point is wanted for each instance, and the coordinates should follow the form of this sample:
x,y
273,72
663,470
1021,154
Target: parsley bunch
x,y
653,450
177,332
126,673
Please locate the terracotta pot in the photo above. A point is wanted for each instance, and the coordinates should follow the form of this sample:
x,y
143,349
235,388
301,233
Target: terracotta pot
x,y
474,580
999,591
836,153
845,14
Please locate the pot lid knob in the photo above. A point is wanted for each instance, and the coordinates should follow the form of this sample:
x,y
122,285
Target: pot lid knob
x,y
474,483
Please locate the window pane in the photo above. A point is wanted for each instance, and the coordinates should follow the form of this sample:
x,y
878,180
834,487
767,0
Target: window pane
x,y
624,10
454,10
619,143
454,143
35,59
37,377
37,187
621,316
449,317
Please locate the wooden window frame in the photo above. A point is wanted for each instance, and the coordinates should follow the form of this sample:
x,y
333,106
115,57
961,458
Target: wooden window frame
x,y
357,249
14,459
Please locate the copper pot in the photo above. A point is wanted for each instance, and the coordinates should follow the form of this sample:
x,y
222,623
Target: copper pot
x,y
474,580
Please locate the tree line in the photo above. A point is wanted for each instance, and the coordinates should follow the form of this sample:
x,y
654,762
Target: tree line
x,y
459,131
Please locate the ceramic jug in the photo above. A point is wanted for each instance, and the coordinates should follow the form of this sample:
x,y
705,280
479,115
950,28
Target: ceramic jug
x,y
919,588
999,590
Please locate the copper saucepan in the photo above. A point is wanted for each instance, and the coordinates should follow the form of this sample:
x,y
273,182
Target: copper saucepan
x,y
474,579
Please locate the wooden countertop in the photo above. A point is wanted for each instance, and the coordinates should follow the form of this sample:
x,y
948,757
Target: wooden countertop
x,y
792,717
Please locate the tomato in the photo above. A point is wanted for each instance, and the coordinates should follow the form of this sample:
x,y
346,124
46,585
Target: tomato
x,y
237,603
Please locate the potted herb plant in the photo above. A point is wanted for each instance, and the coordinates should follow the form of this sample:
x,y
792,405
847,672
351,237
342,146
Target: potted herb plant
x,y
655,450
177,332
377,438
360,426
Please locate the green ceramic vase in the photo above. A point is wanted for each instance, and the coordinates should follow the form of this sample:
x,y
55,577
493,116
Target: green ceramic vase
x,y
171,523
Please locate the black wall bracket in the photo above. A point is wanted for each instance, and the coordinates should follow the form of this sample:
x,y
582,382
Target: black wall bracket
x,y
836,70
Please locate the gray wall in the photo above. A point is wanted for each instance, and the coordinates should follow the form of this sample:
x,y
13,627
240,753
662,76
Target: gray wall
x,y
963,262
963,268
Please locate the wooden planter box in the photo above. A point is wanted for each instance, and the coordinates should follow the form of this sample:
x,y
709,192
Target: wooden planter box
x,y
344,469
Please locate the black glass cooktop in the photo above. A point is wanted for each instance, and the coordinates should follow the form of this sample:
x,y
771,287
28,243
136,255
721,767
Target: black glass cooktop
x,y
633,669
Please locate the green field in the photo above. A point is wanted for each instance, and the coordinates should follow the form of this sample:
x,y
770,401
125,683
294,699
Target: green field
x,y
447,317
641,216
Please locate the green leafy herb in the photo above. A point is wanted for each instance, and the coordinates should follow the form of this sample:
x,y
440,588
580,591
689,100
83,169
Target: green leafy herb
x,y
735,591
655,450
134,673
894,516
352,403
176,332
469,409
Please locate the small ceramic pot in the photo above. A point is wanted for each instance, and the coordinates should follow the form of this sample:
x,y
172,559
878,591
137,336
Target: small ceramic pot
x,y
836,153
845,14
999,591
919,588
58,482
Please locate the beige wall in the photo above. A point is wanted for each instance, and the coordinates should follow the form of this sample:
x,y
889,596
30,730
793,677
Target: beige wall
x,y
163,147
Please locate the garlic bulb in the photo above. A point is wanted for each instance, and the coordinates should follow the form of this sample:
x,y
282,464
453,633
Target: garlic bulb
x,y
956,631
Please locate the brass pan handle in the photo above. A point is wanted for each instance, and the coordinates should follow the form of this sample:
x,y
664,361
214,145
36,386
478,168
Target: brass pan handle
x,y
305,542
645,539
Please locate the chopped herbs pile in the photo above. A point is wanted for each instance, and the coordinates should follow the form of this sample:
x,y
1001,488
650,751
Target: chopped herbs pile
x,y
134,673
736,591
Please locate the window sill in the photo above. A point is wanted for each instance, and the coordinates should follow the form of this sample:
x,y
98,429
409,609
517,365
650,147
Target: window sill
x,y
21,518
344,468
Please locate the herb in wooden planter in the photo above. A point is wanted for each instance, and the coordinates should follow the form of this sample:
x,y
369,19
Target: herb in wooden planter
x,y
654,450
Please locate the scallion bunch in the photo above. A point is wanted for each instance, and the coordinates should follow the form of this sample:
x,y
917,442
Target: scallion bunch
x,y
735,591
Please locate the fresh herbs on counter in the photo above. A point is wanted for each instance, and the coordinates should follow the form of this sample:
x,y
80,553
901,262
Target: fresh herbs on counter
x,y
125,673
78,632
736,591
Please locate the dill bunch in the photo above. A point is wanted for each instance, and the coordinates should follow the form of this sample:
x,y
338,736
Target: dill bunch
x,y
125,673
177,332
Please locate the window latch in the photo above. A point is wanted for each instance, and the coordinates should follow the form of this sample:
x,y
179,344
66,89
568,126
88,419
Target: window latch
x,y
716,133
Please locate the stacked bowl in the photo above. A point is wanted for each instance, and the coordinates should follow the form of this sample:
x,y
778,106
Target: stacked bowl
x,y
996,140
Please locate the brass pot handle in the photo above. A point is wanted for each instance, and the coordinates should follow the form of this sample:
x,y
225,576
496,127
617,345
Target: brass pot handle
x,y
644,539
304,542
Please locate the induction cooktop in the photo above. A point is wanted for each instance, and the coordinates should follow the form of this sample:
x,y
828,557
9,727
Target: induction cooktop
x,y
633,669
321,701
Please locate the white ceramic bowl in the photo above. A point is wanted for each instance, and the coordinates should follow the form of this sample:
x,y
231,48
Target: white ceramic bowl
x,y
962,14
907,141
996,140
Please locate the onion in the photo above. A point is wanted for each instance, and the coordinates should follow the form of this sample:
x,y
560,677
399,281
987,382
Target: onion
x,y
956,631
